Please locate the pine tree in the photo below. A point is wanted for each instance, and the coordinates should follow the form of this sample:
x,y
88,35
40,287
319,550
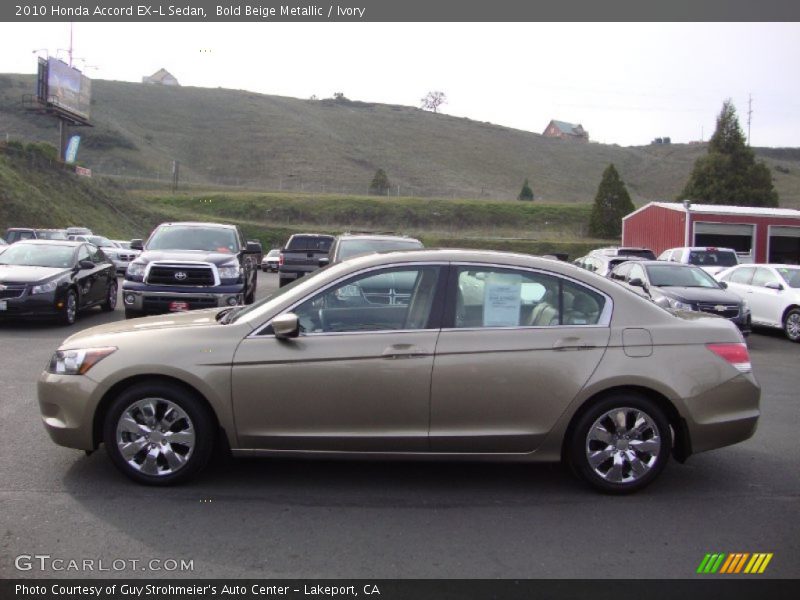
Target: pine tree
x,y
611,203
729,174
526,193
380,184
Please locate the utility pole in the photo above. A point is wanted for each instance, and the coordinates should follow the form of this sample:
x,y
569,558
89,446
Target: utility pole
x,y
749,115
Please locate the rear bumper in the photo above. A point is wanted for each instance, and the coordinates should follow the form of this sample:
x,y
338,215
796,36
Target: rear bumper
x,y
725,415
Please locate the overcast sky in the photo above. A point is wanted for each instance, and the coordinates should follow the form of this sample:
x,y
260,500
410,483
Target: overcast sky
x,y
625,83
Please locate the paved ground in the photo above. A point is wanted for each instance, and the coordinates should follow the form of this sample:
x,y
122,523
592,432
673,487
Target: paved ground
x,y
281,518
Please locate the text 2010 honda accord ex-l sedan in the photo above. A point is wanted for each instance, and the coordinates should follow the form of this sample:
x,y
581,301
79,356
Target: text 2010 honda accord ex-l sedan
x,y
431,353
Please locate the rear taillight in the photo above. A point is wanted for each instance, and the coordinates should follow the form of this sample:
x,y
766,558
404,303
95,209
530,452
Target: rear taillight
x,y
280,258
736,354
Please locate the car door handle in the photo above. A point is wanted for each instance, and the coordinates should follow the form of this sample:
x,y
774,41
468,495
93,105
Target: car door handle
x,y
572,343
403,351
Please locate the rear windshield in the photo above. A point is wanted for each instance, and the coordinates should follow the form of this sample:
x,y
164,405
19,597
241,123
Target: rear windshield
x,y
350,248
713,258
310,242
51,235
642,252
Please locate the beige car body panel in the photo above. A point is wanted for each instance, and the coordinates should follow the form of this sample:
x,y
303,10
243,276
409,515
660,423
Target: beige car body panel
x,y
463,393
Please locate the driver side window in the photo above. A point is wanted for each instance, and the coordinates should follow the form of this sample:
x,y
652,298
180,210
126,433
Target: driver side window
x,y
391,299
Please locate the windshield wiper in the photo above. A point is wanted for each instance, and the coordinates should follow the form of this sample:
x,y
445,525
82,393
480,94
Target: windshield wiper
x,y
229,315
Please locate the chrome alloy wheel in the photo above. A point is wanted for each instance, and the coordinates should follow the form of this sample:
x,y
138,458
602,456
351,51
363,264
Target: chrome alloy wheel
x,y
623,445
792,325
71,309
155,436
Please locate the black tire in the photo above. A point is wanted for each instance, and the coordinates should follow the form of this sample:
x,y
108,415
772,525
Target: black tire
x,y
791,324
70,312
156,453
110,303
616,474
133,314
283,281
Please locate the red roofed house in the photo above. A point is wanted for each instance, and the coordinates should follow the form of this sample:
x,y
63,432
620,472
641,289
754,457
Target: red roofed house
x,y
566,131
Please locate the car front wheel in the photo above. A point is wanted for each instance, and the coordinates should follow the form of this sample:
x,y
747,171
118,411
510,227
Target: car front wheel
x,y
791,325
621,443
158,434
70,314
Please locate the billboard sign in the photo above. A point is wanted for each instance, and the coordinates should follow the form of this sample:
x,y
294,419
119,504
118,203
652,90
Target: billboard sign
x,y
65,87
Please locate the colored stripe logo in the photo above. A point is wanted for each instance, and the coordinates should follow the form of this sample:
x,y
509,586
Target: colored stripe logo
x,y
737,562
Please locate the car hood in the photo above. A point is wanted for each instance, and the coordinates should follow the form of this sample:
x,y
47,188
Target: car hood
x,y
177,320
695,294
25,274
217,258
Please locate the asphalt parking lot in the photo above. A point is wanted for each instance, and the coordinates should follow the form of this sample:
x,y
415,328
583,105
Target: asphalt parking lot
x,y
304,519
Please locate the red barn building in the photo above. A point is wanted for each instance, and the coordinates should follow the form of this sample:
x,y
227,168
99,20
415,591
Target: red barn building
x,y
761,235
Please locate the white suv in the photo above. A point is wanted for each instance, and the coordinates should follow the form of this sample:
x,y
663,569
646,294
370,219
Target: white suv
x,y
709,258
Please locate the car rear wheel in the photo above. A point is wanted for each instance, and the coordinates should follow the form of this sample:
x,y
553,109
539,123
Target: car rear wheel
x,y
284,281
110,302
70,313
158,434
621,443
791,324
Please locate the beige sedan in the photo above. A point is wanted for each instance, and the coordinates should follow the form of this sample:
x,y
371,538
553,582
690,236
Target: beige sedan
x,y
440,354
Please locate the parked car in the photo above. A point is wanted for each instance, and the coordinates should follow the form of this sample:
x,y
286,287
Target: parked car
x,y
271,260
683,287
349,245
710,259
602,264
55,279
385,355
645,253
78,231
121,257
15,234
301,255
773,293
187,266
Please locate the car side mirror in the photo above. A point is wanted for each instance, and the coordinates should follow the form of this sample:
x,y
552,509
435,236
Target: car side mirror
x,y
85,264
723,284
324,262
636,282
286,326
137,245
774,285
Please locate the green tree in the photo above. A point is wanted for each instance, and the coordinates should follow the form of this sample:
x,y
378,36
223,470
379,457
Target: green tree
x,y
729,173
380,184
526,193
611,203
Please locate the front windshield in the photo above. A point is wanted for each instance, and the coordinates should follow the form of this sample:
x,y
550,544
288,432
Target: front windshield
x,y
351,248
677,276
208,239
102,242
790,276
38,255
51,235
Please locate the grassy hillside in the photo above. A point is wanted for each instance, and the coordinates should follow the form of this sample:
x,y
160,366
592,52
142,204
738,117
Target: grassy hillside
x,y
238,138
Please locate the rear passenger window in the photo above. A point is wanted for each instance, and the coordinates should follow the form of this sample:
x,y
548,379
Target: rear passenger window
x,y
508,298
743,275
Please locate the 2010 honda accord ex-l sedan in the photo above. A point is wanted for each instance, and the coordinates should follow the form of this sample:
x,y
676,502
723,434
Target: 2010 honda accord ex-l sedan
x,y
431,353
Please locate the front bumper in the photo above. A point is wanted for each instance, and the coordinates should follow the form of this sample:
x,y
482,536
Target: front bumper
x,y
159,299
67,404
30,305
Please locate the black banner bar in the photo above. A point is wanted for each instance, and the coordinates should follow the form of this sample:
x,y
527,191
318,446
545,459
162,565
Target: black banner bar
x,y
400,10
730,588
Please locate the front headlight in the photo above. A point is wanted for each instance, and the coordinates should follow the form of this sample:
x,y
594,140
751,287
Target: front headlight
x,y
135,270
677,304
50,286
77,362
229,271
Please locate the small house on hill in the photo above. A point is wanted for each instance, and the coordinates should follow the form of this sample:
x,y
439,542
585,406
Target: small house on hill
x,y
161,77
566,131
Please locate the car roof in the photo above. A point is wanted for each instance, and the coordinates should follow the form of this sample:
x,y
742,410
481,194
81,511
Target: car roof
x,y
72,243
196,224
667,263
324,235
376,236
